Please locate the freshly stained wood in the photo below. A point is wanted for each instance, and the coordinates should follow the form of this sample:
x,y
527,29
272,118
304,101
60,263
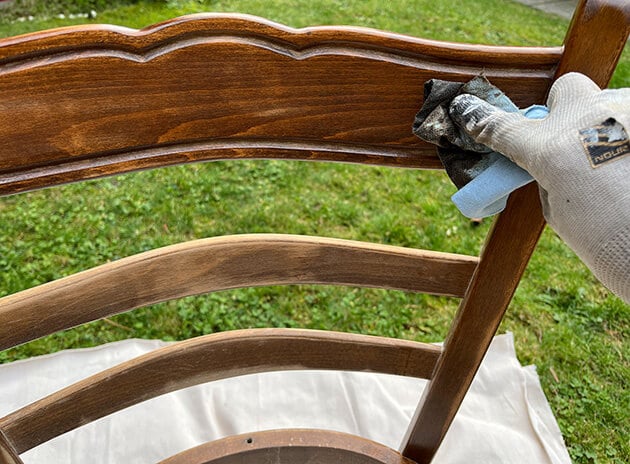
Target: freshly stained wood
x,y
290,447
222,263
210,87
597,58
209,358
599,30
505,255
90,101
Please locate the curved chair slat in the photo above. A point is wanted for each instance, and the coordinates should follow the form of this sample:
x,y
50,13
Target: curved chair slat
x,y
208,358
223,263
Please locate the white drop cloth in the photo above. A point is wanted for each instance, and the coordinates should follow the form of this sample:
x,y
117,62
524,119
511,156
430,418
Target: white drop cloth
x,y
505,417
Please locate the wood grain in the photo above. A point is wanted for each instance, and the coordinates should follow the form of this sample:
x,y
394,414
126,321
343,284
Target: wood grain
x,y
91,101
593,46
209,358
506,253
595,39
290,447
219,87
223,263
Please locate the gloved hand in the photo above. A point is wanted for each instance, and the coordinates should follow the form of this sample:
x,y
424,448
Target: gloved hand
x,y
580,157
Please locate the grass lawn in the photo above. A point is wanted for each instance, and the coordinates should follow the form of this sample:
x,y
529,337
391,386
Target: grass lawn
x,y
564,321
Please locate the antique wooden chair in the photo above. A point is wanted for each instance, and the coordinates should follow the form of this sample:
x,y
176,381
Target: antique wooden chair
x,y
84,102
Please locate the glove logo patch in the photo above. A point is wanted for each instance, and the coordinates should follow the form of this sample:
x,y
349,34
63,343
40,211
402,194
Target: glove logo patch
x,y
605,142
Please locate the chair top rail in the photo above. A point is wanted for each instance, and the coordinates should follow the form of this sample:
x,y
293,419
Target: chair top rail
x,y
143,41
89,101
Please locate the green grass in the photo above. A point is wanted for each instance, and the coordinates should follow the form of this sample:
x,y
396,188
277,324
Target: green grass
x,y
565,322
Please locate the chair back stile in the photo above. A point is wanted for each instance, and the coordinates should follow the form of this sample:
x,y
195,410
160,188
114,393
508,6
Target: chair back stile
x,y
592,46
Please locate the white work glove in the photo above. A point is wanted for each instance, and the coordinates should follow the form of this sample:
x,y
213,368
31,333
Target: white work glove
x,y
580,157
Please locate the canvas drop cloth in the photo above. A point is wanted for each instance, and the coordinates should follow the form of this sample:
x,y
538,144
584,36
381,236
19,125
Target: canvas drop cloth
x,y
505,417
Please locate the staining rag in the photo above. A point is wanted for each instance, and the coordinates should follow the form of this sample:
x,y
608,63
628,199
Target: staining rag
x,y
484,177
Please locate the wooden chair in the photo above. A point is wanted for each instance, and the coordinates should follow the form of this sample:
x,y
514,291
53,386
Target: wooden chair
x,y
84,102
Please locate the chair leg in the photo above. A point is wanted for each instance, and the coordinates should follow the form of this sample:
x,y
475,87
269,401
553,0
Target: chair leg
x,y
506,253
